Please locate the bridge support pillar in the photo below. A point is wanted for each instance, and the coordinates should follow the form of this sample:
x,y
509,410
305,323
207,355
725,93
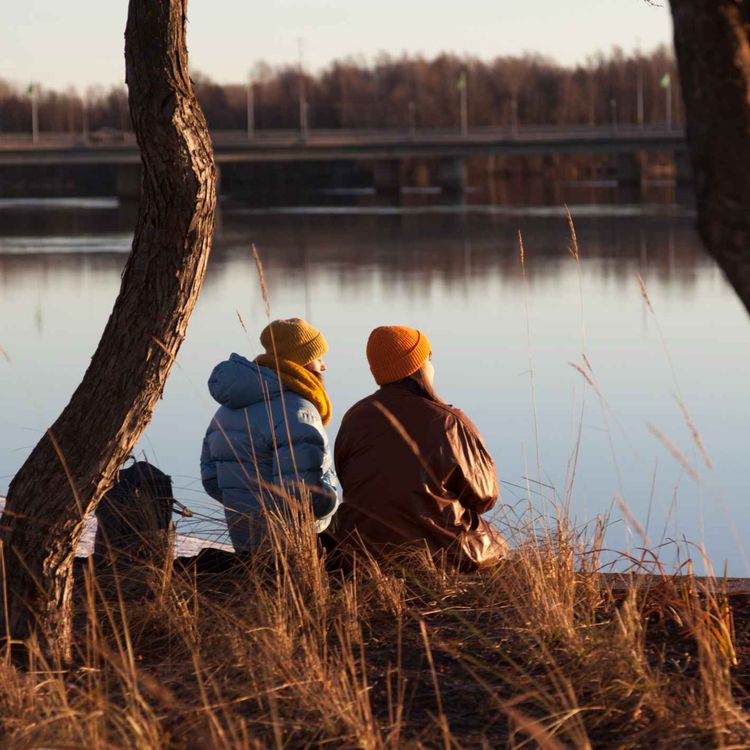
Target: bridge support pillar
x,y
128,182
683,169
683,178
628,169
387,176
452,175
629,177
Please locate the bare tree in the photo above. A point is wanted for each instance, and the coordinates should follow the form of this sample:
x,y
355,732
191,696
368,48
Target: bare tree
x,y
74,463
712,41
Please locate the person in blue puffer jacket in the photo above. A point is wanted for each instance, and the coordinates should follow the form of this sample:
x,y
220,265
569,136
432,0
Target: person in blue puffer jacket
x,y
268,437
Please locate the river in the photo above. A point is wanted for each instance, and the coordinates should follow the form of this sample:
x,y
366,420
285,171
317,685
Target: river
x,y
597,434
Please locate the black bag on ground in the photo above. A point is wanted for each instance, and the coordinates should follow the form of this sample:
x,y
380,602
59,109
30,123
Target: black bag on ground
x,y
134,518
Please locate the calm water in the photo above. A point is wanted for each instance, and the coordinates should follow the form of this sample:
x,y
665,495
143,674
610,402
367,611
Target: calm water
x,y
454,272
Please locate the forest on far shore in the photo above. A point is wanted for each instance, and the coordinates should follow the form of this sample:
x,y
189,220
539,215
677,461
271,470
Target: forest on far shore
x,y
392,92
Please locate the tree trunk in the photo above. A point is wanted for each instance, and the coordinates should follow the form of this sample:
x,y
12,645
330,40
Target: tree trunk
x,y
74,463
712,41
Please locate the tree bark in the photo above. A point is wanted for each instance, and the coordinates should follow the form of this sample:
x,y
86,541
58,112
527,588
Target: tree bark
x,y
74,463
712,42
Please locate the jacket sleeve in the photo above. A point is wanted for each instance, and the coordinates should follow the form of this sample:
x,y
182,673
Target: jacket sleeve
x,y
329,503
208,472
469,472
306,458
329,481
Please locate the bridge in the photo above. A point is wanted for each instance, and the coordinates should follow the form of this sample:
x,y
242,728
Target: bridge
x,y
382,149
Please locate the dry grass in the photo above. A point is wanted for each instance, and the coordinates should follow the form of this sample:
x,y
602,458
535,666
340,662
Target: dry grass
x,y
279,652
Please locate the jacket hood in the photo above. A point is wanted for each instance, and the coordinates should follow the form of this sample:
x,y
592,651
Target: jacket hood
x,y
237,382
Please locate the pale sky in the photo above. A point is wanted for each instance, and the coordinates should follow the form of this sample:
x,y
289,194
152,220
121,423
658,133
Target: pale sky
x,y
80,42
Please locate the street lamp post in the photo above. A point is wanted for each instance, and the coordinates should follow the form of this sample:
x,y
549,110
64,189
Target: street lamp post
x,y
84,118
302,100
639,91
640,96
464,104
666,84
305,118
34,93
250,101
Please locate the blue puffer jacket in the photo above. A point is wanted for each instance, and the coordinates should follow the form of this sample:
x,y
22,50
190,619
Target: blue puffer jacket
x,y
248,446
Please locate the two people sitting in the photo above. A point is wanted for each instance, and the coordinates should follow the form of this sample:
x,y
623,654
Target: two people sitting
x,y
413,469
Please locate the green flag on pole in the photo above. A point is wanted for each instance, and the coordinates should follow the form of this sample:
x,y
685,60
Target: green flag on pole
x,y
30,89
665,81
461,83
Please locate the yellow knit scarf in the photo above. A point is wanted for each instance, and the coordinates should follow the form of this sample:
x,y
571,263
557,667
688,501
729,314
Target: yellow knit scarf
x,y
301,381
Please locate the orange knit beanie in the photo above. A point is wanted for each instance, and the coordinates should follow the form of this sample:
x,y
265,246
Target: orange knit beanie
x,y
293,339
394,352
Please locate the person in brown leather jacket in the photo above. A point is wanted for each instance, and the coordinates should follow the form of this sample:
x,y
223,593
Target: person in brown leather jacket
x,y
414,470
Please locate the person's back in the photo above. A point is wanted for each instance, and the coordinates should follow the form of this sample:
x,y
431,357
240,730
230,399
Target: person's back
x,y
414,470
267,438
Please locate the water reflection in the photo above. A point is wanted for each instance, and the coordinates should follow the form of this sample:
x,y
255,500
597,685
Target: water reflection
x,y
446,245
456,248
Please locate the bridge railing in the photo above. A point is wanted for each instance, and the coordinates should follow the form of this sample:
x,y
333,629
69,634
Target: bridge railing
x,y
114,138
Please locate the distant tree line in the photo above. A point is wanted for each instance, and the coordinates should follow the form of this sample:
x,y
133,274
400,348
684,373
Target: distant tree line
x,y
395,92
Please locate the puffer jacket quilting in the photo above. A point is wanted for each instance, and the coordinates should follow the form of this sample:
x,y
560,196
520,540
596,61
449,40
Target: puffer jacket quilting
x,y
264,436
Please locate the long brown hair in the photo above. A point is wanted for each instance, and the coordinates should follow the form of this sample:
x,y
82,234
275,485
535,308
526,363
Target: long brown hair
x,y
425,388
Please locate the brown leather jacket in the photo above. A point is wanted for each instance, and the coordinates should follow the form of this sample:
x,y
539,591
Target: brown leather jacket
x,y
392,496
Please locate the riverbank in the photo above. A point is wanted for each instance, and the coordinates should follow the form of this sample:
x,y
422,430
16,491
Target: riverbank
x,y
278,651
185,545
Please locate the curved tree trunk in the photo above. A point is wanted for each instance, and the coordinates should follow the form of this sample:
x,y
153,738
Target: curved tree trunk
x,y
712,42
74,463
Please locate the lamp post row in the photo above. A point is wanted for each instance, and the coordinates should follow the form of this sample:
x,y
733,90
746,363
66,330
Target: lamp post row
x,y
462,86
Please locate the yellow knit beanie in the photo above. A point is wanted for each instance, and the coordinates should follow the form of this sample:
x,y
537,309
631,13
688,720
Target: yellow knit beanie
x,y
293,339
394,352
